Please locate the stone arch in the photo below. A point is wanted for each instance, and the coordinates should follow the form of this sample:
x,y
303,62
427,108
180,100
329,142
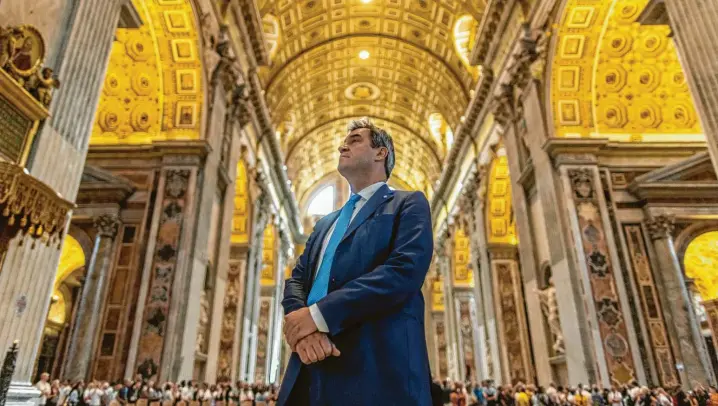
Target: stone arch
x,y
500,227
73,256
688,254
595,90
154,86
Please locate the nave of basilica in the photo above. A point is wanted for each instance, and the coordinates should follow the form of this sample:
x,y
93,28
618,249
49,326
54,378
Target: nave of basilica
x,y
162,163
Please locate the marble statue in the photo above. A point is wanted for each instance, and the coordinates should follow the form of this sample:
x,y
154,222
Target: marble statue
x,y
547,296
203,321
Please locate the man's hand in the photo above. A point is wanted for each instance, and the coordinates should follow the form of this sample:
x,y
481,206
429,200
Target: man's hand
x,y
297,325
316,347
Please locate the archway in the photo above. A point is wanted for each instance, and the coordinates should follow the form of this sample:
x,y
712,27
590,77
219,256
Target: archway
x,y
700,264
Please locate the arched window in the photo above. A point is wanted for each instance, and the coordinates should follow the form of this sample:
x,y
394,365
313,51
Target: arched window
x,y
323,203
464,33
441,132
270,27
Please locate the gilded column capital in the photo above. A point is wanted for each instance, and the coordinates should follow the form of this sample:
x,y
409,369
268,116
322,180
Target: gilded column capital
x,y
107,225
660,227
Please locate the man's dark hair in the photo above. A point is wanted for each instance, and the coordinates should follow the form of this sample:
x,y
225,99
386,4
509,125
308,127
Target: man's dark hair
x,y
379,138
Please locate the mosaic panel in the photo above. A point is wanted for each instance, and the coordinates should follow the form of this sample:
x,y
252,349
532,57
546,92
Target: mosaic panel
x,y
611,320
156,312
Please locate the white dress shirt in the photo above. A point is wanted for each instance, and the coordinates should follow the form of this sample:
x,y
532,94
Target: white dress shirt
x,y
365,194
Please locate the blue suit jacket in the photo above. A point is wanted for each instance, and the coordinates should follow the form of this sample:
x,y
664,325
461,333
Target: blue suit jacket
x,y
374,307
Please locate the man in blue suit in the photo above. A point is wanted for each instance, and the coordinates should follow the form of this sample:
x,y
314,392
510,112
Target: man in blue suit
x,y
354,312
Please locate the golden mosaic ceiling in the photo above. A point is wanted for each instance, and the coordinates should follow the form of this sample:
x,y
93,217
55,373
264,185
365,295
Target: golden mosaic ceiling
x,y
613,77
321,76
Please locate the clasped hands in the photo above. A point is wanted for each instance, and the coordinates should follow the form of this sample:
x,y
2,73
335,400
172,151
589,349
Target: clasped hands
x,y
304,338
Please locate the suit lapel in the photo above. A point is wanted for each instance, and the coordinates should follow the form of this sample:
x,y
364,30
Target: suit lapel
x,y
379,197
316,248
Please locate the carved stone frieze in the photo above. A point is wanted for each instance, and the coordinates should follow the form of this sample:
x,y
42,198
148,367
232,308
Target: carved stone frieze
x,y
107,225
503,252
660,227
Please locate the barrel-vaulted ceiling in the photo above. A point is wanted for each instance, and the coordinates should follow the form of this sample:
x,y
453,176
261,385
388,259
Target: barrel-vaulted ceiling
x,y
396,61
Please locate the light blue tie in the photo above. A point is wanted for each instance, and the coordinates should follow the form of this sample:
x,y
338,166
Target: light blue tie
x,y
321,282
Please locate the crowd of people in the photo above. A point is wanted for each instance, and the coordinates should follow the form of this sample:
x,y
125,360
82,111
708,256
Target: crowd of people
x,y
139,391
487,394
444,393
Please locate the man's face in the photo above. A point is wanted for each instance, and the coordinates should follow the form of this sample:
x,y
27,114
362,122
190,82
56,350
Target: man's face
x,y
356,153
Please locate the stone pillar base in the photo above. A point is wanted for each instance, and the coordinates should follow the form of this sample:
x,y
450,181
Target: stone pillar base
x,y
22,393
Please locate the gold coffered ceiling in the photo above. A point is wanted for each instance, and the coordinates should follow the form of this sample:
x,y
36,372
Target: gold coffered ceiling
x,y
317,80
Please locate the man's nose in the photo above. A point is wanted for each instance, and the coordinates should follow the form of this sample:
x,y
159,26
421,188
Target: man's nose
x,y
343,148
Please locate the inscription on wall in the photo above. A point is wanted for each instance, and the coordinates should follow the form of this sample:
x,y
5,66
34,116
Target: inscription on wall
x,y
14,127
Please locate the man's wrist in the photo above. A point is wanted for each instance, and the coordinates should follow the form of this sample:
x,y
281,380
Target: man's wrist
x,y
318,318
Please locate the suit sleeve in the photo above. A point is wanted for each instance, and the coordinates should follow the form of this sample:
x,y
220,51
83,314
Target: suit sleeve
x,y
391,283
294,296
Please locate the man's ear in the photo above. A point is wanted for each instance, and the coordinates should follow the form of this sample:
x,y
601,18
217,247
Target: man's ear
x,y
381,154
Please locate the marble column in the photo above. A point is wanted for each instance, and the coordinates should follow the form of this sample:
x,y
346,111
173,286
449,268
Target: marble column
x,y
483,289
561,249
27,274
695,28
276,336
529,269
711,307
453,355
470,206
692,361
250,311
90,307
511,315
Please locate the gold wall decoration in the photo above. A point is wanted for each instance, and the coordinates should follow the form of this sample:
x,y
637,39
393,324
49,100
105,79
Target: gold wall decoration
x,y
153,87
240,216
463,275
437,295
499,214
268,249
701,264
25,90
29,207
612,76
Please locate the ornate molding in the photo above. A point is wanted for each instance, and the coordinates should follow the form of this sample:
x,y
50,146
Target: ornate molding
x,y
503,252
30,207
476,106
252,19
107,225
660,227
487,30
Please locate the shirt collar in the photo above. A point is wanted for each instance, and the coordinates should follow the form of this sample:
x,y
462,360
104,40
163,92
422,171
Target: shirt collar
x,y
369,191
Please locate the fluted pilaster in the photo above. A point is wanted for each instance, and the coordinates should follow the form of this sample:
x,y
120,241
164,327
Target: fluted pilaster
x,y
695,26
27,274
